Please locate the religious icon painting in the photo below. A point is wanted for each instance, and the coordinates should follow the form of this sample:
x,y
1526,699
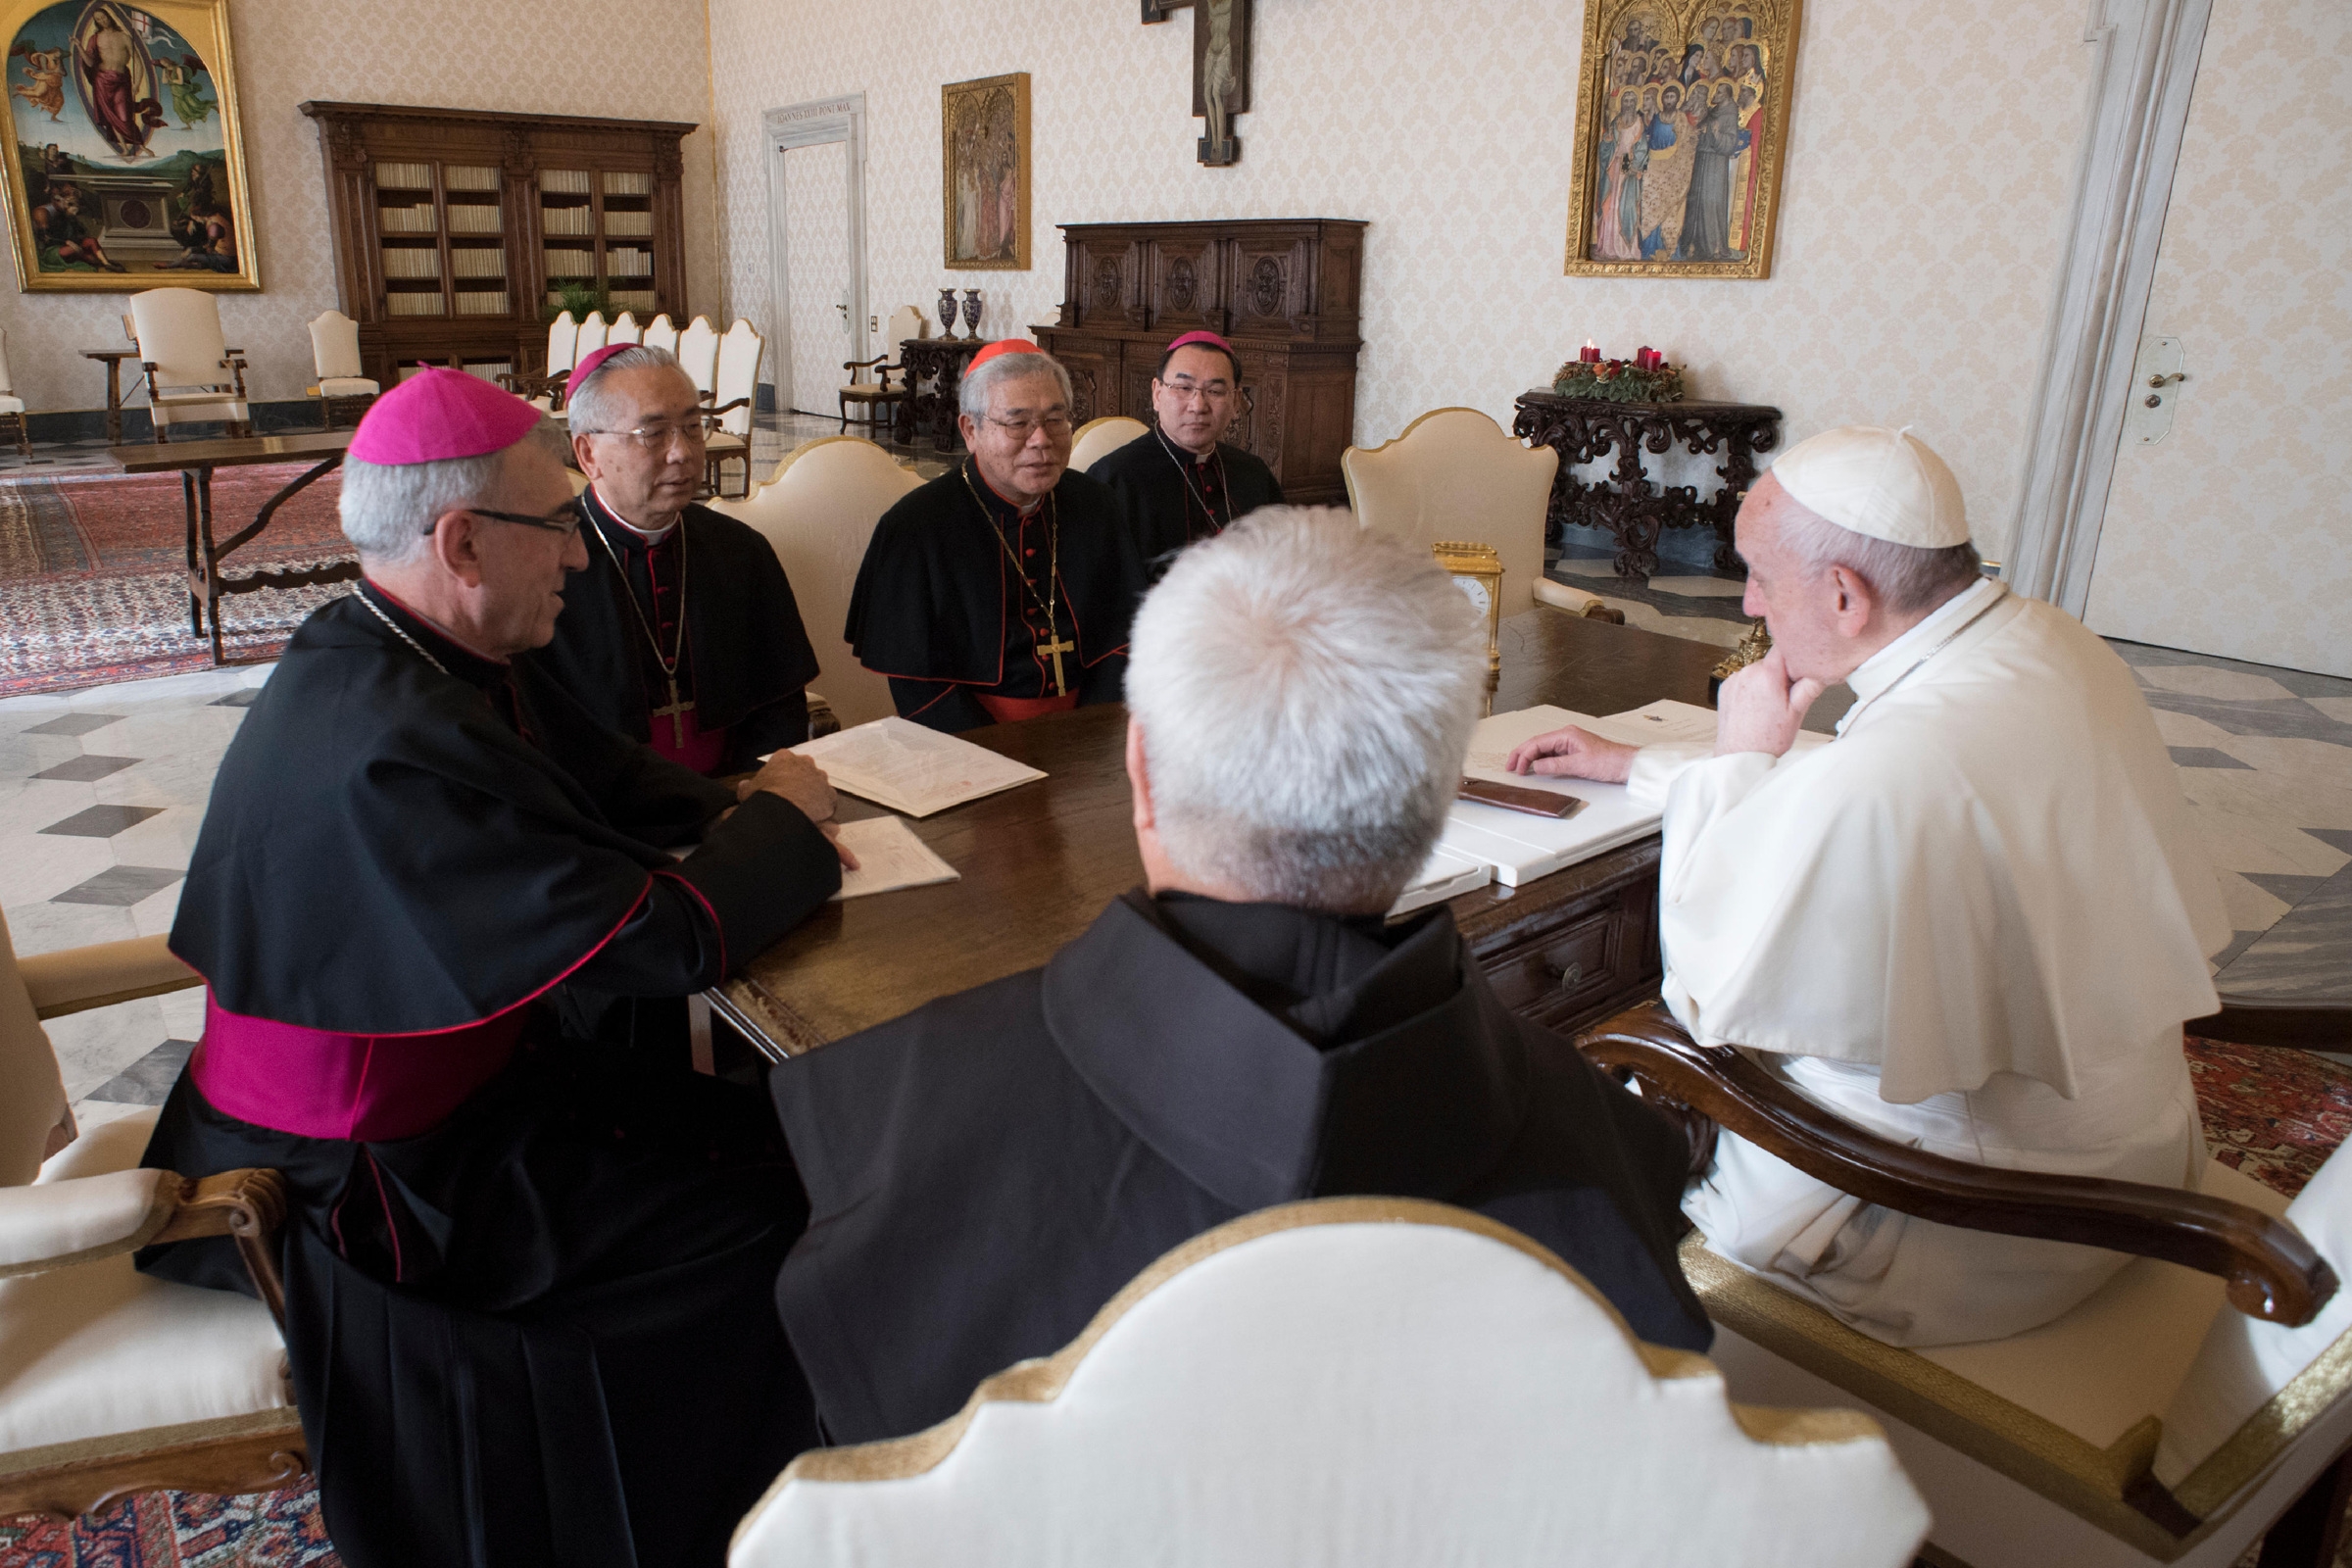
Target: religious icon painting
x,y
123,167
1682,113
984,172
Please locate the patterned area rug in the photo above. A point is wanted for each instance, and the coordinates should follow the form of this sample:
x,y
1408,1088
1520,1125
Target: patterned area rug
x,y
179,1530
93,575
2274,1114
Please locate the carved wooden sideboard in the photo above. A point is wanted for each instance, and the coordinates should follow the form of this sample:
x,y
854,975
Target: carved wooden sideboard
x,y
1283,290
453,227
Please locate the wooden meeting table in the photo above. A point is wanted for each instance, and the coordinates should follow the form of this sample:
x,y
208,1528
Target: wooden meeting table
x,y
1039,863
194,462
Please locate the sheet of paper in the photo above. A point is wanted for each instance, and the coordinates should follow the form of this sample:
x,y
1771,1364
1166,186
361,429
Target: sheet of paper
x,y
1443,875
889,857
912,770
1666,722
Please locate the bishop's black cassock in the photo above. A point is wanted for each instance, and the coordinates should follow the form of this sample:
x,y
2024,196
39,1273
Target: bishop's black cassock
x,y
1172,498
984,1173
938,609
745,657
527,1276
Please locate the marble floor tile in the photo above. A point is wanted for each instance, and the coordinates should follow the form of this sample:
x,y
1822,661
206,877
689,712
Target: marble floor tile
x,y
120,885
2317,761
2307,953
183,1012
34,867
2288,716
146,1081
1722,633
2203,756
2249,907
2335,708
89,1113
41,801
102,821
151,917
2241,843
46,927
72,723
1700,587
87,769
94,1047
2195,680
166,840
2269,797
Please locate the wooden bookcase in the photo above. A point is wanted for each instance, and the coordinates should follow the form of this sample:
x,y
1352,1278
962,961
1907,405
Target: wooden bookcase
x,y
453,229
1281,290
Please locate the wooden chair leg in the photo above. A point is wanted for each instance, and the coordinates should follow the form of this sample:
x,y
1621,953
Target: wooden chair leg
x,y
2308,1533
845,413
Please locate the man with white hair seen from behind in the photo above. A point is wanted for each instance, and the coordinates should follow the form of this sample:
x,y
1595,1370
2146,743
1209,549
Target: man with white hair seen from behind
x,y
1246,1029
1972,924
527,1275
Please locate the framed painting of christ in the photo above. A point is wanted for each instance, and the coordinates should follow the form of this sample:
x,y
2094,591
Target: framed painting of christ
x,y
984,172
1682,114
123,166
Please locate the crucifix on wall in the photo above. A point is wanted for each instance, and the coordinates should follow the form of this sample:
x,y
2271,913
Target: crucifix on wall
x,y
1220,70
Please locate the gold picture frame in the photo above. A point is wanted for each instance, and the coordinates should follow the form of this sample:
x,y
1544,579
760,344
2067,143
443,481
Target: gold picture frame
x,y
124,164
1659,188
983,148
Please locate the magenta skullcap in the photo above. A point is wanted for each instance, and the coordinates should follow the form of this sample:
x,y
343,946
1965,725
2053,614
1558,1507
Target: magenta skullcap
x,y
438,414
1210,338
581,372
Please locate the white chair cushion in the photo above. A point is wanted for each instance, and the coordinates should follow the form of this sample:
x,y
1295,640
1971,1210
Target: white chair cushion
x,y
9,405
2243,1362
52,1220
348,386
102,1350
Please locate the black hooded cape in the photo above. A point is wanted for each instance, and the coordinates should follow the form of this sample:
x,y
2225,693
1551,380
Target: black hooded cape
x,y
929,607
986,1172
537,1330
1164,509
747,658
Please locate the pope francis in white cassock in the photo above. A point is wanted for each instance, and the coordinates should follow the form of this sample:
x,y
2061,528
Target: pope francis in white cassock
x,y
1974,923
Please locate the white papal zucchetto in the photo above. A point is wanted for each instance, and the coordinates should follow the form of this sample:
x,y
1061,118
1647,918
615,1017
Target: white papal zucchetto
x,y
1889,484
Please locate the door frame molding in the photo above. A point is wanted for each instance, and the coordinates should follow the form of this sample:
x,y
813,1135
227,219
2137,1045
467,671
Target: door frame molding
x,y
2143,78
815,123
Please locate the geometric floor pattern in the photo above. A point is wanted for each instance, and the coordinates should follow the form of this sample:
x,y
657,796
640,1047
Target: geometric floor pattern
x,y
2265,758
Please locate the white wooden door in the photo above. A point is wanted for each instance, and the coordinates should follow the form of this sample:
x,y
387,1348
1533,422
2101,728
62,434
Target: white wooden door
x,y
816,237
2233,534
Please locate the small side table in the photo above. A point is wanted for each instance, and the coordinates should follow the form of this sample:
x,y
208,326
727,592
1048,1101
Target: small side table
x,y
940,361
1634,510
112,359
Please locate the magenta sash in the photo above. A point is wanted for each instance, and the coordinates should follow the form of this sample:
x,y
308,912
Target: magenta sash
x,y
365,1088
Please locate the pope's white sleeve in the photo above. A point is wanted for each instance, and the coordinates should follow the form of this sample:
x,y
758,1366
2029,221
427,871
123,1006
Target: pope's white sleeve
x,y
1657,767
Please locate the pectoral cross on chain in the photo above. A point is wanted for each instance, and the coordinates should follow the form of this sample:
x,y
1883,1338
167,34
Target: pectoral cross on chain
x,y
1056,646
677,710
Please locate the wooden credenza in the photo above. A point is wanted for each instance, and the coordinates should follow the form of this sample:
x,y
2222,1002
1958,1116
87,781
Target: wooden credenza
x,y
454,228
1283,290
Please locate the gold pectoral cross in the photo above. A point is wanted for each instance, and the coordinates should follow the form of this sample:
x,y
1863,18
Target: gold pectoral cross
x,y
676,713
1058,647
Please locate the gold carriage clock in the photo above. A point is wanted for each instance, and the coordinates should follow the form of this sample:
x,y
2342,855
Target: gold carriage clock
x,y
1477,570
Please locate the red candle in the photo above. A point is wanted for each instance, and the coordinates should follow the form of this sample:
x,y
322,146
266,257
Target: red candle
x,y
1589,354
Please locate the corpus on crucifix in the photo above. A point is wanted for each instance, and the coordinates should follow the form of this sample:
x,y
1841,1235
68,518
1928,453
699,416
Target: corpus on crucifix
x,y
1220,70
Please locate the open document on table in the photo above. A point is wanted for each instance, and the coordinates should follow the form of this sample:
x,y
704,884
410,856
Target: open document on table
x,y
1521,847
912,770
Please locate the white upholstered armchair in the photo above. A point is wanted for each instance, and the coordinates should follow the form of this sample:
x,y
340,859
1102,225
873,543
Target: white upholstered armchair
x,y
112,1382
182,351
335,356
1362,1382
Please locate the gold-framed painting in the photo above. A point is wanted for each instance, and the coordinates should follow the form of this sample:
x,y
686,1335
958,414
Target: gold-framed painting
x,y
125,168
984,172
1682,115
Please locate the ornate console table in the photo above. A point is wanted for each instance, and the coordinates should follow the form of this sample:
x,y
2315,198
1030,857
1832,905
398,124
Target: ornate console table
x,y
1633,510
931,411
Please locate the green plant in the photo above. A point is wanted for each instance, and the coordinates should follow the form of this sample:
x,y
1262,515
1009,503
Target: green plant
x,y
579,299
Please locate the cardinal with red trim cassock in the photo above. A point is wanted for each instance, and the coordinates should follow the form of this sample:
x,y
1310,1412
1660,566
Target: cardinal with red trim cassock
x,y
526,1274
1002,590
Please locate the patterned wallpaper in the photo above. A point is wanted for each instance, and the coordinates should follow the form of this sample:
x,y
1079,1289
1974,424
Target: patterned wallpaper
x,y
632,59
2233,534
1931,148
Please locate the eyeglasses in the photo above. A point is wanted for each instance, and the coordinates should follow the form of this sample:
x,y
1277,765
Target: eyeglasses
x,y
658,437
1054,425
566,522
1186,388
